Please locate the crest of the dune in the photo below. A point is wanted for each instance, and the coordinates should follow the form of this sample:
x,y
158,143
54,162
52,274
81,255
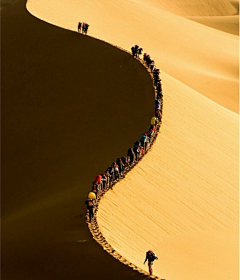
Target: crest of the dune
x,y
229,24
204,58
182,199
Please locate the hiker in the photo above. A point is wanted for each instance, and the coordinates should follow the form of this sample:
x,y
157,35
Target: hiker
x,y
142,151
116,170
98,179
152,65
136,150
90,208
110,171
121,166
139,52
157,105
159,94
153,121
136,47
125,164
104,181
151,132
144,57
131,155
148,60
96,188
158,115
150,257
144,140
133,50
86,28
79,27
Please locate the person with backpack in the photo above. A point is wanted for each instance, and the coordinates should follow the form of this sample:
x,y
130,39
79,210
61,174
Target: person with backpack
x,y
96,189
144,141
104,182
150,257
79,27
121,166
133,50
90,208
136,47
85,28
139,52
131,155
136,149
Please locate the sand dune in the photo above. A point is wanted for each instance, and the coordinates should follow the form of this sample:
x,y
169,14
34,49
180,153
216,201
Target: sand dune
x,y
58,122
182,199
194,8
184,49
228,24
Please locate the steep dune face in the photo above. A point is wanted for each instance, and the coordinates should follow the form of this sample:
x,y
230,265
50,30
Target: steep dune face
x,y
204,58
182,199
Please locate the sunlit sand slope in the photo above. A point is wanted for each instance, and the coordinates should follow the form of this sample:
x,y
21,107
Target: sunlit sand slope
x,y
204,58
182,199
228,24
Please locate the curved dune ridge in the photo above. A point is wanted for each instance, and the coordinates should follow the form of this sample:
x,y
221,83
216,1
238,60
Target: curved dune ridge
x,y
62,107
182,199
203,58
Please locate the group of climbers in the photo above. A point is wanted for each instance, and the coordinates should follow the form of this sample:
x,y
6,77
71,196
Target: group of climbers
x,y
122,165
83,27
136,51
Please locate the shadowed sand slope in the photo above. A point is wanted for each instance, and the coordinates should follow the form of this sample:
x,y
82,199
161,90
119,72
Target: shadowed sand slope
x,y
204,58
70,106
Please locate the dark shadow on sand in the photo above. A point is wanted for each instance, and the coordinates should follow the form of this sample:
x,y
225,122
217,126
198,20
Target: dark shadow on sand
x,y
70,106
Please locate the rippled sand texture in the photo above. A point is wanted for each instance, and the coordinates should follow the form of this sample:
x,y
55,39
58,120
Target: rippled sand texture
x,y
182,200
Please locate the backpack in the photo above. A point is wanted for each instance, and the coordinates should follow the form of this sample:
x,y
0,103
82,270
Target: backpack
x,y
90,203
151,256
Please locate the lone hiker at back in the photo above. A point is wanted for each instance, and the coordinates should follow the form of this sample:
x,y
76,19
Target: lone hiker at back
x,y
150,257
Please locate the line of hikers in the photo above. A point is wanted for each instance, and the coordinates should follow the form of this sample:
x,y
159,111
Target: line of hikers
x,y
150,64
83,27
122,165
118,169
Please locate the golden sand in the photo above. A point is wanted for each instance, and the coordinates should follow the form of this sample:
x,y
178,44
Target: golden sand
x,y
182,199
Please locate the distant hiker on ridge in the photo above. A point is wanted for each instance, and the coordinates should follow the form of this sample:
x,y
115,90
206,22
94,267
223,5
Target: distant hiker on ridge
x,y
150,257
85,28
79,27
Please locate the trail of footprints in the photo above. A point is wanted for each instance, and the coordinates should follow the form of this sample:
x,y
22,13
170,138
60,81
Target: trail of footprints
x,y
97,235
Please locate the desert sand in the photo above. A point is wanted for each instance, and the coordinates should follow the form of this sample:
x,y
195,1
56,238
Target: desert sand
x,y
181,200
62,106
